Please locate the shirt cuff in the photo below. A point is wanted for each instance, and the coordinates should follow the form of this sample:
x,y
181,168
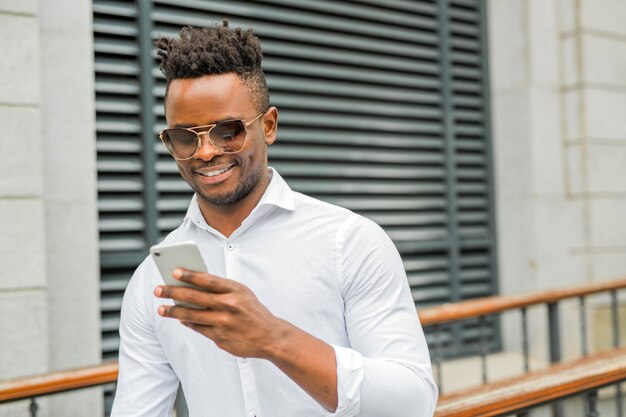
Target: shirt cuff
x,y
349,381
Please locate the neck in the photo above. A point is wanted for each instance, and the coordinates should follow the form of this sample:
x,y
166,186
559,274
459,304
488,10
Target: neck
x,y
226,218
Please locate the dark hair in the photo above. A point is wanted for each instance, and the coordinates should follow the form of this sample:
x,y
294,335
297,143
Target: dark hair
x,y
215,50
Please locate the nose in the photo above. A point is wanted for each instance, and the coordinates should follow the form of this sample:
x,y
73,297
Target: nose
x,y
207,151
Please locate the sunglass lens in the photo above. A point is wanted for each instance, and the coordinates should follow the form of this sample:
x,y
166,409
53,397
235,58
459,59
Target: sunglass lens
x,y
180,142
229,135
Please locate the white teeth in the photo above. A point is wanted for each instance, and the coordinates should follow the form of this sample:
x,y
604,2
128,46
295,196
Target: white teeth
x,y
214,173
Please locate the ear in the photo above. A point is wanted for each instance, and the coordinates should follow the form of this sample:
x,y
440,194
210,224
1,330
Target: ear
x,y
270,125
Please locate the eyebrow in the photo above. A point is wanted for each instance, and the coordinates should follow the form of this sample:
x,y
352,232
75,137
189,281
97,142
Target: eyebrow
x,y
189,125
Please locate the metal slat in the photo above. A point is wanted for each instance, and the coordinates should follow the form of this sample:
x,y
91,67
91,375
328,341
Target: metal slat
x,y
464,29
432,261
397,218
303,85
357,122
319,186
118,164
317,15
115,46
321,36
117,105
363,12
430,295
354,73
289,49
107,144
369,139
425,87
127,223
112,185
115,8
362,107
116,66
429,279
349,154
362,126
399,202
117,126
413,6
110,324
120,243
325,170
111,204
104,26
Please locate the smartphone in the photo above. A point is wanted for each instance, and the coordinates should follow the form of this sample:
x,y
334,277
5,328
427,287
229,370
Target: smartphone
x,y
177,255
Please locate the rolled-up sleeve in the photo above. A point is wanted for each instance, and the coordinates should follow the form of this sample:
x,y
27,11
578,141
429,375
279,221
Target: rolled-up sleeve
x,y
386,371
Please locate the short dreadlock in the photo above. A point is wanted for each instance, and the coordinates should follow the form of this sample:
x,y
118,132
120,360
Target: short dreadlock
x,y
215,50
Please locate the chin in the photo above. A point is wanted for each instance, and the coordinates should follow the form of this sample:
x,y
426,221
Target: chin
x,y
222,199
227,197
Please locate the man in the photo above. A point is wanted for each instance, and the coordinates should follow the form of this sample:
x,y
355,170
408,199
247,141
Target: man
x,y
307,307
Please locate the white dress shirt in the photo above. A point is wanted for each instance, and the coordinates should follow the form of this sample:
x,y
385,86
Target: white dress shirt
x,y
328,271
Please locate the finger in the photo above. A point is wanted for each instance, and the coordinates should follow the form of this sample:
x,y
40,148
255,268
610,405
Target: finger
x,y
203,330
187,315
204,280
190,295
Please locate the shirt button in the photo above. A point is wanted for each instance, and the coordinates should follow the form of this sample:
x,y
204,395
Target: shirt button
x,y
230,247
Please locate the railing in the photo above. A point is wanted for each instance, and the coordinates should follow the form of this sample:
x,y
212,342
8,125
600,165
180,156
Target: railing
x,y
480,309
56,382
520,395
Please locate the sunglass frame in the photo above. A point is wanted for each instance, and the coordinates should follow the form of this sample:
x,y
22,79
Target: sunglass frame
x,y
243,122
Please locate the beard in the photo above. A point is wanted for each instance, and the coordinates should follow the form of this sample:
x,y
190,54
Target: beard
x,y
242,190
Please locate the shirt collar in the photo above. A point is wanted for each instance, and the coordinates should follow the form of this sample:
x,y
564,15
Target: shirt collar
x,y
276,194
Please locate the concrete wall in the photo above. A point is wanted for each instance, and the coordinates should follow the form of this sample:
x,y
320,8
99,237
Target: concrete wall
x,y
23,279
558,71
558,84
49,283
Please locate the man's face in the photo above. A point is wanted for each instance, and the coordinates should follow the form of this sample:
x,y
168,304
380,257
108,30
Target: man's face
x,y
207,100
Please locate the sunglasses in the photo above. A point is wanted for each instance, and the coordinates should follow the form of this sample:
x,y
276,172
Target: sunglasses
x,y
227,136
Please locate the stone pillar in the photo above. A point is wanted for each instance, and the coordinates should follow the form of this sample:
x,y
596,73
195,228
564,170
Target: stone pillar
x,y
70,192
24,328
558,74
594,90
49,280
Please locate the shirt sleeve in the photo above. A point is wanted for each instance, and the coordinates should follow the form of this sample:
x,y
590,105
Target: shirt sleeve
x,y
386,370
146,385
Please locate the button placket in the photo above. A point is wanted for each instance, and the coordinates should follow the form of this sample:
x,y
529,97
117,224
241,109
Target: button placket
x,y
246,375
246,372
229,259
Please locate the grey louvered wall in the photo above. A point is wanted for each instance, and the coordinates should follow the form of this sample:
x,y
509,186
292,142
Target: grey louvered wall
x,y
383,109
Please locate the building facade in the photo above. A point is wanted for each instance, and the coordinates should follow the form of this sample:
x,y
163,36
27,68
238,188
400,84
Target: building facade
x,y
488,138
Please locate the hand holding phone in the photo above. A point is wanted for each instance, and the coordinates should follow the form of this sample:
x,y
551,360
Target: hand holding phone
x,y
177,255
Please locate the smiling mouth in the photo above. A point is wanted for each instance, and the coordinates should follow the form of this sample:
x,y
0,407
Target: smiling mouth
x,y
215,172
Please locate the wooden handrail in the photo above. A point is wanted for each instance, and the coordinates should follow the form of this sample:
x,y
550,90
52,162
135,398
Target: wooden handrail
x,y
536,388
496,304
54,382
26,387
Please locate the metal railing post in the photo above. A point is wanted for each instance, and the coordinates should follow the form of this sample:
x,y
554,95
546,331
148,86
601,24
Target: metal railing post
x,y
583,327
525,339
483,348
33,407
592,404
554,337
615,326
